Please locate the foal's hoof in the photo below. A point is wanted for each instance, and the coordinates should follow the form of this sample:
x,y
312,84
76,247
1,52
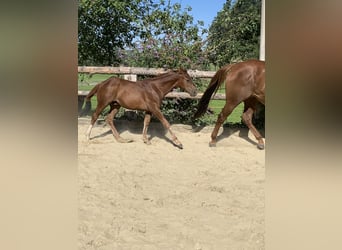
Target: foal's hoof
x,y
261,146
178,145
147,142
122,140
212,144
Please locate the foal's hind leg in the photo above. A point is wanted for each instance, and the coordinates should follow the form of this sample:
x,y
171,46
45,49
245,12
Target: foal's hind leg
x,y
247,116
147,120
114,108
226,111
94,117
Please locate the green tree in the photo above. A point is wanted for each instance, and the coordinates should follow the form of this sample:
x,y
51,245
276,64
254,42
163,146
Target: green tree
x,y
168,37
235,32
104,26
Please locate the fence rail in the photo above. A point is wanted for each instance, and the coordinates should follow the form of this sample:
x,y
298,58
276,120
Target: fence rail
x,y
139,71
173,94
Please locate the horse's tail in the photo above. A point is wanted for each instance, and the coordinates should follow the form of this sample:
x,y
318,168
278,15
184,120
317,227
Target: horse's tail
x,y
213,86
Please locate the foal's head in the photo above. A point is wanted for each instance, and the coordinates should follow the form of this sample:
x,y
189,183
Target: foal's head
x,y
185,82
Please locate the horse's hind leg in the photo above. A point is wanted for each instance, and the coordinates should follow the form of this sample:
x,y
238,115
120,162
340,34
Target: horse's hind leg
x,y
114,108
247,116
226,111
147,120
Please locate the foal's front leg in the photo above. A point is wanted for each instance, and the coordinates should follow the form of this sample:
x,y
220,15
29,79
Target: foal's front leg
x,y
167,125
147,120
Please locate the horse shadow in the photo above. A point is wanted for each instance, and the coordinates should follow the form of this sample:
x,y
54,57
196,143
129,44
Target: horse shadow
x,y
228,129
155,129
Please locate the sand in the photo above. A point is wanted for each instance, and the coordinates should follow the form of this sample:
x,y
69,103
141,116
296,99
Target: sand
x,y
138,196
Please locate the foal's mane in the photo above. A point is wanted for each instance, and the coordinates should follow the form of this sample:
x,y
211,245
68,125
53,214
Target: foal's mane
x,y
164,75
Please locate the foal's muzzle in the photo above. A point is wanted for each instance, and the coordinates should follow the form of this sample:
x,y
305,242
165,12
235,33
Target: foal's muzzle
x,y
193,92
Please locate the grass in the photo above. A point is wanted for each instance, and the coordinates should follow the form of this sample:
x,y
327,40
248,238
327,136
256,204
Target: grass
x,y
89,80
87,83
217,105
235,116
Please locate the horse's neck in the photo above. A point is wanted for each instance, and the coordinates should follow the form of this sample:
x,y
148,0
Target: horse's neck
x,y
164,85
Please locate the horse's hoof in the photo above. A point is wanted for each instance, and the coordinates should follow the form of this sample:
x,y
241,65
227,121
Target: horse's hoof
x,y
261,146
212,144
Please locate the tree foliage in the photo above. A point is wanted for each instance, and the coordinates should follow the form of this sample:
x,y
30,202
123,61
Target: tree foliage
x,y
168,37
160,34
142,33
104,26
235,32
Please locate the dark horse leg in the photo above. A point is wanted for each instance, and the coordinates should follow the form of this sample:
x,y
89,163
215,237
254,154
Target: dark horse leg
x,y
167,126
114,108
226,111
250,106
147,120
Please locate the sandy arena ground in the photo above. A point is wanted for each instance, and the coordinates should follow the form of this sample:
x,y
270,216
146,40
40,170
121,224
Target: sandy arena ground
x,y
138,196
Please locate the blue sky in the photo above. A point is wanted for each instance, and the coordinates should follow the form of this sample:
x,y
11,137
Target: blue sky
x,y
205,10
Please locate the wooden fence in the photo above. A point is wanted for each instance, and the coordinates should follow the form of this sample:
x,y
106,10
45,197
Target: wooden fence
x,y
130,73
139,71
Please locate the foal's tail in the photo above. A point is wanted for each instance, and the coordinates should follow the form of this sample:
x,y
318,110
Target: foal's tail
x,y
87,106
92,92
213,86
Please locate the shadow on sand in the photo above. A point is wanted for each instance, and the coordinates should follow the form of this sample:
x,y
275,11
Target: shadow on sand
x,y
228,129
156,129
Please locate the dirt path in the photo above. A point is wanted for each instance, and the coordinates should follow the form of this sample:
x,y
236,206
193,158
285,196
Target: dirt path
x,y
137,196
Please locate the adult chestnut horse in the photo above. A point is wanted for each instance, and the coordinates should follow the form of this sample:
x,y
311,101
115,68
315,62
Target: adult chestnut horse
x,y
244,82
145,95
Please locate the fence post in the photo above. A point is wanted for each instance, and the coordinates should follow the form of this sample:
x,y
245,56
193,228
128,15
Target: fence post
x,y
128,112
131,77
